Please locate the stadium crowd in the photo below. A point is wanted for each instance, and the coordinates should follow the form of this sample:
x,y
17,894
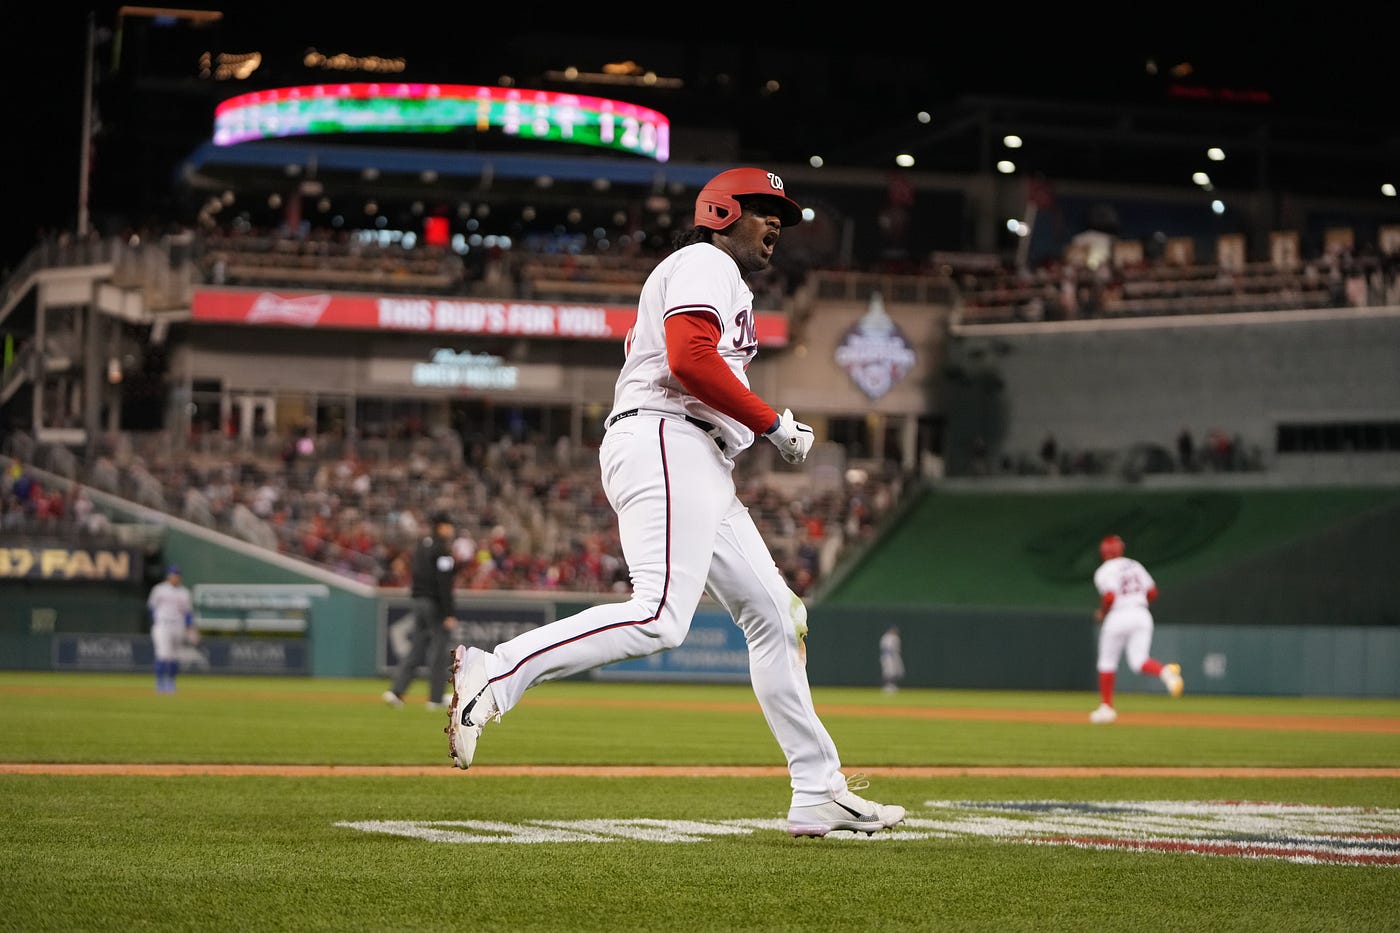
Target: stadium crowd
x,y
1062,288
1066,290
530,512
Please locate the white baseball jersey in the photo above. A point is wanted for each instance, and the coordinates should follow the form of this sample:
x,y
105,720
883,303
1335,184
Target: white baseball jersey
x,y
169,604
711,282
1127,580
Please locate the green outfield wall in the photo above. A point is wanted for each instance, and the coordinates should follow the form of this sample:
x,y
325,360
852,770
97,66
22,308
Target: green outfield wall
x,y
1263,591
1018,649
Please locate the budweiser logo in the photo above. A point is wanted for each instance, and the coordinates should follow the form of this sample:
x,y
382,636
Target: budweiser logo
x,y
274,309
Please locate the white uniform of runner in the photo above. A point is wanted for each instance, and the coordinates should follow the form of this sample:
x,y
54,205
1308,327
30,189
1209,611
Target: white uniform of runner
x,y
1127,627
707,281
684,531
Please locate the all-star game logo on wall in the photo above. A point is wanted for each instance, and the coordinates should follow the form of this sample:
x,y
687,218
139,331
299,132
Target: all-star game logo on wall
x,y
874,351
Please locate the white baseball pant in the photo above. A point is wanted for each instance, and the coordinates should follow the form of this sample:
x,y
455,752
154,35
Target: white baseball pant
x,y
1125,631
167,639
684,531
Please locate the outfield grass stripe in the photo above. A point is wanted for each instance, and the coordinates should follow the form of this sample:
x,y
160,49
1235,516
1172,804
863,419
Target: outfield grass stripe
x,y
1137,717
574,700
670,771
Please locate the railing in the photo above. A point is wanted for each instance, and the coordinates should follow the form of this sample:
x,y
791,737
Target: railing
x,y
56,252
823,285
168,267
23,368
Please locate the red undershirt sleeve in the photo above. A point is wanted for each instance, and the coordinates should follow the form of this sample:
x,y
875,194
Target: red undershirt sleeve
x,y
1106,602
692,354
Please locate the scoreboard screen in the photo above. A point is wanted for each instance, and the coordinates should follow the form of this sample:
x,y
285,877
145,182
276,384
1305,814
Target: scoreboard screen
x,y
396,107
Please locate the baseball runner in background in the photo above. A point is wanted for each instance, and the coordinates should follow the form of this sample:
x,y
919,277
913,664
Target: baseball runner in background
x,y
1126,589
172,625
682,411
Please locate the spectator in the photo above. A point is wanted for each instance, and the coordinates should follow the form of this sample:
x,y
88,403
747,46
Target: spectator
x,y
1050,454
1186,450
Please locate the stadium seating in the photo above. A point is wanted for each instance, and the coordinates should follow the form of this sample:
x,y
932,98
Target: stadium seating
x,y
531,513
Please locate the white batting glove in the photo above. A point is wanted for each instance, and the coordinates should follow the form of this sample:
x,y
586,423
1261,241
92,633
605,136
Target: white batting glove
x,y
792,438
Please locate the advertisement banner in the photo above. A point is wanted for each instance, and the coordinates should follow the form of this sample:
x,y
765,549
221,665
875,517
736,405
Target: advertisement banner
x,y
713,651
72,564
481,626
256,607
213,655
559,320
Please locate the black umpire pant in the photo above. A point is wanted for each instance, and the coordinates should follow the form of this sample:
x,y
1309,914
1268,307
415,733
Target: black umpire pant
x,y
429,647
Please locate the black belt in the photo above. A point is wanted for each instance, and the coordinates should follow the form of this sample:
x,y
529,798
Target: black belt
x,y
705,426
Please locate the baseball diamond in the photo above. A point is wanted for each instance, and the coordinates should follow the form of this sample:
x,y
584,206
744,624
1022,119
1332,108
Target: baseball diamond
x,y
1014,799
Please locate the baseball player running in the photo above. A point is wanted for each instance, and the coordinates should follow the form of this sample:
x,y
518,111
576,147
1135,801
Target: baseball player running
x,y
682,412
1125,591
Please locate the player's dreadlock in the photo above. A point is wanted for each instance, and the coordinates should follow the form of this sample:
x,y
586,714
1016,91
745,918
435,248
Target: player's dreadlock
x,y
690,236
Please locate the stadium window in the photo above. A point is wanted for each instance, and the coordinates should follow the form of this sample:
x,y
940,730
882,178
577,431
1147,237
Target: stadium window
x,y
1338,437
851,433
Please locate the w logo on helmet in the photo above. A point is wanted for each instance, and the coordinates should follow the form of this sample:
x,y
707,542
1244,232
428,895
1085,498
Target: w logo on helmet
x,y
717,205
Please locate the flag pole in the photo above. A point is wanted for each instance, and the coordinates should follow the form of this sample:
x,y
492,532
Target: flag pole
x,y
85,155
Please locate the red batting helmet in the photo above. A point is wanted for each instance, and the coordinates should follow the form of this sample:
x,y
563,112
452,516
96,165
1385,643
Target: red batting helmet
x,y
1111,547
717,205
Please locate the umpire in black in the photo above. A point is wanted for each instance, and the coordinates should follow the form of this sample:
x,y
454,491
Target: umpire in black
x,y
434,571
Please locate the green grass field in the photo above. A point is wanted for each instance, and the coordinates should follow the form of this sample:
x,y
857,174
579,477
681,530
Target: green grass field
x,y
346,815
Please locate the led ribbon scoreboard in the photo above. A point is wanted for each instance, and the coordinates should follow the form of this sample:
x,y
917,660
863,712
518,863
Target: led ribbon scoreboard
x,y
397,107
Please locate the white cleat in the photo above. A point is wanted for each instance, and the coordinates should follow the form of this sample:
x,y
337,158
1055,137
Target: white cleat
x,y
473,705
393,699
1104,713
1171,676
848,812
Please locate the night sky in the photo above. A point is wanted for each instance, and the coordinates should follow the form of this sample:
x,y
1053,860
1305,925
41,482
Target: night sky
x,y
885,64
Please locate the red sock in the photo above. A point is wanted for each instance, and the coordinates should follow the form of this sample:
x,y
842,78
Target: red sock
x,y
1106,687
1151,667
